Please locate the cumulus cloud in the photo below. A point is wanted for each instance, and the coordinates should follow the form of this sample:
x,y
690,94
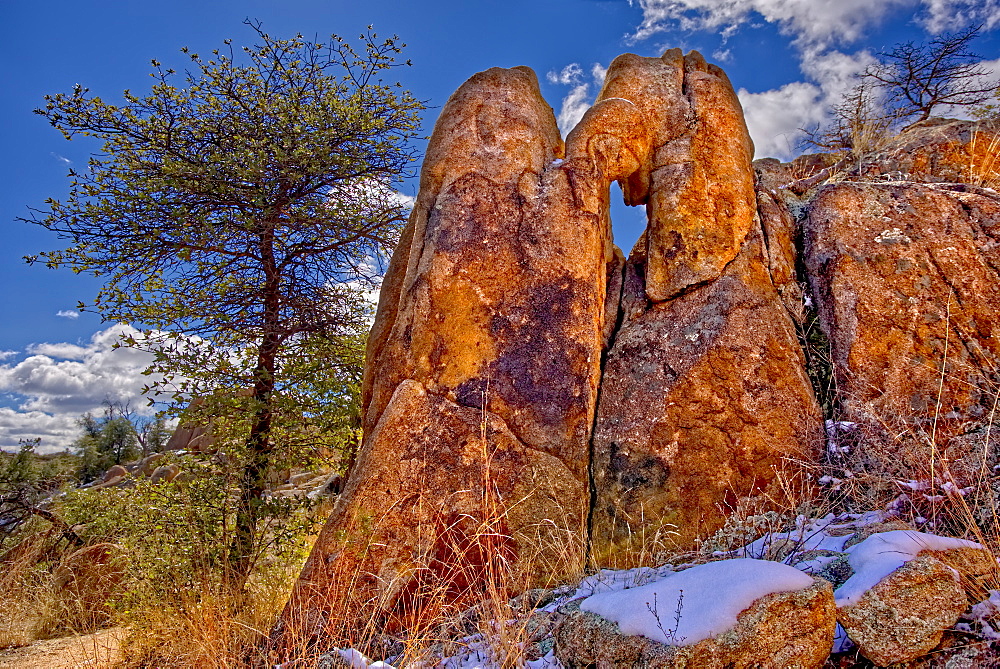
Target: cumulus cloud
x,y
68,313
774,117
948,15
57,432
57,382
569,75
808,21
579,99
816,28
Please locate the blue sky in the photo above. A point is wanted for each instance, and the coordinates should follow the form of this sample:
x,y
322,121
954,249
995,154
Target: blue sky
x,y
789,60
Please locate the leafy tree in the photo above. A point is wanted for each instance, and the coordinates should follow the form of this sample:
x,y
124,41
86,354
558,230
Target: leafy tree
x,y
20,469
238,214
109,440
918,78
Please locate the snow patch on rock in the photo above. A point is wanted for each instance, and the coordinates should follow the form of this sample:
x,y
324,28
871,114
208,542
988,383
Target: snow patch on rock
x,y
697,603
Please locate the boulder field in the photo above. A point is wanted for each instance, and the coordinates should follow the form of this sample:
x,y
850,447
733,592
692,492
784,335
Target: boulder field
x,y
536,402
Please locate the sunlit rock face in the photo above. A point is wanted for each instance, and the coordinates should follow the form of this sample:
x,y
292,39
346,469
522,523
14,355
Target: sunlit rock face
x,y
907,285
704,398
533,400
482,374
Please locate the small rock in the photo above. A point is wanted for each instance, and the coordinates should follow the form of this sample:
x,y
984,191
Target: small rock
x,y
906,613
148,464
301,477
110,483
788,629
164,473
116,471
875,528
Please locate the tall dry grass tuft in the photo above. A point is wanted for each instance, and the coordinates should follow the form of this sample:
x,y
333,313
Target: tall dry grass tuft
x,y
983,169
49,588
25,597
462,596
215,630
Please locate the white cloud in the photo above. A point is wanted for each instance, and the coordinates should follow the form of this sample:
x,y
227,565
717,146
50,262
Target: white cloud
x,y
61,159
57,382
774,117
950,15
722,55
569,75
7,354
68,313
817,22
56,432
63,351
574,106
579,99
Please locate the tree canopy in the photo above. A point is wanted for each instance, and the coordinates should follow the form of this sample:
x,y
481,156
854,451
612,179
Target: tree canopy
x,y
918,78
238,212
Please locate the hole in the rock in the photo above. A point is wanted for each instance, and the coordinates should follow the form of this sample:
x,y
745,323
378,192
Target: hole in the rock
x,y
627,223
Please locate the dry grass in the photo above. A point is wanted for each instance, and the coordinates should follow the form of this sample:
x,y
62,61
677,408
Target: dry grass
x,y
983,168
214,631
25,597
48,589
463,600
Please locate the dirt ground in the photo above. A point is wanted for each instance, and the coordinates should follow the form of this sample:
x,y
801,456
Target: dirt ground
x,y
99,649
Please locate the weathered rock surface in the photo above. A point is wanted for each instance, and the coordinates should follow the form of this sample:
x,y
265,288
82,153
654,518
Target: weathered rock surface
x,y
483,367
149,463
495,296
114,472
791,629
905,615
704,398
532,398
165,473
938,150
906,281
405,551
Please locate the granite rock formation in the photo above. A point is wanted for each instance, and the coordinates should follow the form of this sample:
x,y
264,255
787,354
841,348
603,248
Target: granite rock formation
x,y
907,286
482,374
704,398
534,400
787,629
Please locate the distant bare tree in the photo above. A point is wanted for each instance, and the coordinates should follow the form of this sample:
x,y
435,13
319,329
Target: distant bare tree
x,y
859,124
917,78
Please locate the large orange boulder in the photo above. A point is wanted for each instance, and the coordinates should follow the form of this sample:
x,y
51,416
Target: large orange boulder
x,y
481,459
704,398
482,373
907,284
704,404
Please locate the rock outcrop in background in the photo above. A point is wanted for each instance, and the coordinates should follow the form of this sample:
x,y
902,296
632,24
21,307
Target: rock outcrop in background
x,y
535,402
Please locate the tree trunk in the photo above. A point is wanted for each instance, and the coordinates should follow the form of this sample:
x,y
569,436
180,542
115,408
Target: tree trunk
x,y
253,480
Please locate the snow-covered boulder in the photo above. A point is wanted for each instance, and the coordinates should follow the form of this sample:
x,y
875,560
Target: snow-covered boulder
x,y
902,597
906,613
730,613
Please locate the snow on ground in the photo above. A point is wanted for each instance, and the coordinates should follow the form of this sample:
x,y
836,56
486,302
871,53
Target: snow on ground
x,y
687,603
